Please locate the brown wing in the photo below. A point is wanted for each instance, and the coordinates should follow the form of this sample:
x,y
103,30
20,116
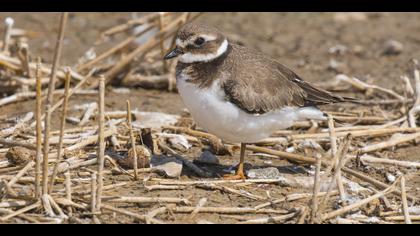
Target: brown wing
x,y
265,85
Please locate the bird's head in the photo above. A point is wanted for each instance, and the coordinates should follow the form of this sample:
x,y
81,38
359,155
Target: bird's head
x,y
198,43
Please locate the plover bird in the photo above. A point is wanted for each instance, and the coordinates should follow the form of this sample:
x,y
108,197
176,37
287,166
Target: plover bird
x,y
237,93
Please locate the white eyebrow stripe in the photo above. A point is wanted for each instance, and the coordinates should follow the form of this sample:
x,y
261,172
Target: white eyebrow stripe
x,y
208,37
190,58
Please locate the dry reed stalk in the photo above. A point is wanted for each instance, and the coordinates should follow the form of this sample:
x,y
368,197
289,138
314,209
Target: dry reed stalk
x,y
88,113
57,207
23,216
21,211
88,141
124,212
415,109
145,200
390,143
291,197
163,187
360,85
106,187
317,184
25,60
357,133
303,213
6,203
9,22
22,172
167,32
101,141
231,190
341,157
51,87
10,143
356,205
150,18
183,183
133,140
71,92
62,127
67,184
113,50
309,160
404,202
370,159
333,141
199,205
401,218
226,210
94,190
46,204
162,42
18,127
271,219
16,64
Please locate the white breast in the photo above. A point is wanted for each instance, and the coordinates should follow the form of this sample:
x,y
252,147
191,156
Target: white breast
x,y
224,119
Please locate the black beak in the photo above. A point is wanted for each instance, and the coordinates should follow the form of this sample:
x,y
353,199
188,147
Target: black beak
x,y
174,53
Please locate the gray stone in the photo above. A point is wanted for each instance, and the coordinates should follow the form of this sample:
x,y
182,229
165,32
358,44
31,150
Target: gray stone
x,y
208,158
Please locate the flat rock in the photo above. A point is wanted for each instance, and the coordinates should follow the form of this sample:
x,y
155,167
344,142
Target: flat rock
x,y
264,173
171,166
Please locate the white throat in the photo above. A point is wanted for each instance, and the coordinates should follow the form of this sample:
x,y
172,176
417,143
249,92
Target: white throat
x,y
190,58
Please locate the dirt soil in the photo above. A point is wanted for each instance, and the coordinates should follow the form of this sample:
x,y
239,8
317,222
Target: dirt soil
x,y
299,40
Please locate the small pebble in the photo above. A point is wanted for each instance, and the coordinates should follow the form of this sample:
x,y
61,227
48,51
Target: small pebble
x,y
392,47
20,155
391,178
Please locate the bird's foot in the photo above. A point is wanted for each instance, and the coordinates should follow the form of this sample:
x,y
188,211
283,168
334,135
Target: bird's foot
x,y
238,176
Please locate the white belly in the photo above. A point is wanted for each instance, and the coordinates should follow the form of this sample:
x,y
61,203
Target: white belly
x,y
225,120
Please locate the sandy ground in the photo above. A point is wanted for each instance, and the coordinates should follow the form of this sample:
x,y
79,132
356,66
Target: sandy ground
x,y
299,40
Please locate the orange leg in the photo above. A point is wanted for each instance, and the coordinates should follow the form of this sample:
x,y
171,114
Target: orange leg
x,y
240,171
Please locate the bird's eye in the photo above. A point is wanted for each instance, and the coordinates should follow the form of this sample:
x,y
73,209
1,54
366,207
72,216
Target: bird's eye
x,y
199,41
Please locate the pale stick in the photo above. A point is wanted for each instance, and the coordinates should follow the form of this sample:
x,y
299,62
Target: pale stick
x,y
101,141
358,204
311,160
271,219
51,87
317,184
68,189
291,197
133,140
62,127
38,110
404,202
145,199
94,189
162,41
124,212
57,208
199,205
20,174
333,141
47,205
7,33
390,143
20,211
